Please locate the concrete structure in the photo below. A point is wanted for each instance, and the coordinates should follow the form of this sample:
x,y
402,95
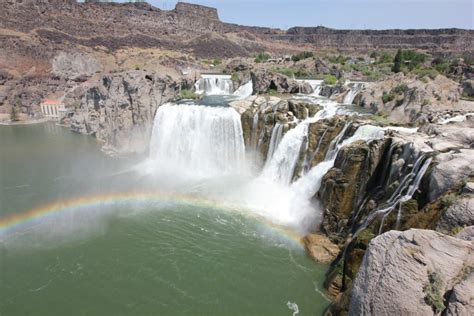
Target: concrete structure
x,y
53,109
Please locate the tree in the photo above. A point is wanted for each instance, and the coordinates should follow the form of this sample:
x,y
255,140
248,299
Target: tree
x,y
397,62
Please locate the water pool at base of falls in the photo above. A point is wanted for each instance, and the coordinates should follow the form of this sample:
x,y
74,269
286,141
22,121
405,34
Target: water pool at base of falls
x,y
82,234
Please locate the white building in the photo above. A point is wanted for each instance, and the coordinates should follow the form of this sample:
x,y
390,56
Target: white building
x,y
53,109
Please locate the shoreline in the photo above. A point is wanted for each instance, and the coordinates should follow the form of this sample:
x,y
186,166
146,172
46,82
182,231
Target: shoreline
x,y
27,122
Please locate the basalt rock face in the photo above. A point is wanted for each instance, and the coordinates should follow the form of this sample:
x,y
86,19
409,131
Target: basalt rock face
x,y
266,118
409,100
412,273
344,186
442,39
75,66
119,110
265,81
459,215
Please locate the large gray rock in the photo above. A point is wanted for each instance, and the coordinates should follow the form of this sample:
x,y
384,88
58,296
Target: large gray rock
x,y
76,65
120,108
266,80
405,273
452,169
460,214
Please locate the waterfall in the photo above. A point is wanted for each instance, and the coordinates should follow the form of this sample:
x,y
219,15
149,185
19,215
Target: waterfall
x,y
197,140
214,85
280,166
404,192
309,184
353,92
244,91
317,85
277,134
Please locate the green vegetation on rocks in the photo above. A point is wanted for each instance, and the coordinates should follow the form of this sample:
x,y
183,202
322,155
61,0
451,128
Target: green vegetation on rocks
x,y
301,56
262,57
433,291
188,94
330,80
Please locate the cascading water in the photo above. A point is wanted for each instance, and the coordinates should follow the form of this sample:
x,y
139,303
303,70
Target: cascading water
x,y
281,164
353,92
198,141
214,85
244,91
308,185
317,85
404,192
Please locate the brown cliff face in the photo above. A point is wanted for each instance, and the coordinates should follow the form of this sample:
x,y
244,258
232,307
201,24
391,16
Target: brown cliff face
x,y
433,40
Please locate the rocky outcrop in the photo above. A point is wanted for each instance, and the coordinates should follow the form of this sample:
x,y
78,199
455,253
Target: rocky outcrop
x,y
442,39
120,108
409,99
459,215
262,115
345,185
451,169
320,248
75,65
411,272
265,80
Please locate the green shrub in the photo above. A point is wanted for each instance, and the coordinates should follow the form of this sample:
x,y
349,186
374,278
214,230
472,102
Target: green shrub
x,y
387,97
262,57
188,94
447,200
433,291
301,56
385,58
330,80
338,60
400,89
425,72
234,76
272,92
407,60
216,62
293,72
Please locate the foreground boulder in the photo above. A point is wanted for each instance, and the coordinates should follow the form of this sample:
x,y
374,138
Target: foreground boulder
x,y
120,108
415,272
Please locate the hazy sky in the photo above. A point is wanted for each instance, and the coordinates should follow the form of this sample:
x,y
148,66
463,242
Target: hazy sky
x,y
376,14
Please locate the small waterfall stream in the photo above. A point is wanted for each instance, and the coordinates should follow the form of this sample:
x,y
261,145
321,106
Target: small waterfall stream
x,y
214,85
356,88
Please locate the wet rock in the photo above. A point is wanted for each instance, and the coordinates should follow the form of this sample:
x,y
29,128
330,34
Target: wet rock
x,y
119,109
344,186
320,248
409,273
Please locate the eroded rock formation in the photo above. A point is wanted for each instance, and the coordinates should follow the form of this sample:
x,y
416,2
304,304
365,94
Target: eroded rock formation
x,y
120,108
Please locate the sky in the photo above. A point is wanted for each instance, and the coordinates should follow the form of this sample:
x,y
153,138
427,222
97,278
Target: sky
x,y
349,14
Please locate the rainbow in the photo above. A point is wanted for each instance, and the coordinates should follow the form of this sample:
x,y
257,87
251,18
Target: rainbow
x,y
15,221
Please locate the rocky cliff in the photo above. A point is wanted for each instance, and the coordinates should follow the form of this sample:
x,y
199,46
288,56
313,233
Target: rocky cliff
x,y
442,39
119,109
416,272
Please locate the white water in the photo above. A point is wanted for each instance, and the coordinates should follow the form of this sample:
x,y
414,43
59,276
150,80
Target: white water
x,y
317,85
214,85
281,164
197,141
353,92
244,91
457,119
308,185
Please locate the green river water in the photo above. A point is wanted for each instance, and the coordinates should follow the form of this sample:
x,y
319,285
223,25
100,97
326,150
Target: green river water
x,y
140,258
